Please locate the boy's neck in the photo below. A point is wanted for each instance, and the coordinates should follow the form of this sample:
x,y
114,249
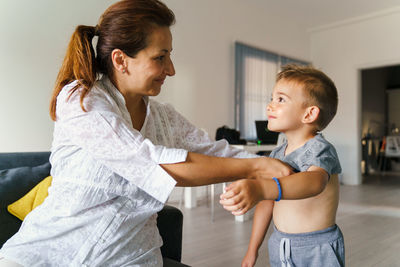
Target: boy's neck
x,y
296,139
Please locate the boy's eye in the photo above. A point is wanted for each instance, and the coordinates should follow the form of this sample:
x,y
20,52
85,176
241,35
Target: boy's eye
x,y
280,99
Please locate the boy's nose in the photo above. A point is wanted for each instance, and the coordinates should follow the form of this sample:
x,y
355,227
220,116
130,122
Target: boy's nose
x,y
269,106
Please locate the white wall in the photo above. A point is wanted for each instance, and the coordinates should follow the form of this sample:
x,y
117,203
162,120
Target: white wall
x,y
34,36
341,50
204,36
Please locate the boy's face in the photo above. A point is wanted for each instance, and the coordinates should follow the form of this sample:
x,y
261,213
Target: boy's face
x,y
286,109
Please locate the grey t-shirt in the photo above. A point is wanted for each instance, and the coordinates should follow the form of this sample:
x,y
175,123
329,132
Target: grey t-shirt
x,y
316,152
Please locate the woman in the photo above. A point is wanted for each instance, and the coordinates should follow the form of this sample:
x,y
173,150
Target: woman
x,y
116,154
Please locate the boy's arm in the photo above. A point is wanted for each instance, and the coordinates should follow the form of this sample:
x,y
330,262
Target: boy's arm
x,y
261,221
242,195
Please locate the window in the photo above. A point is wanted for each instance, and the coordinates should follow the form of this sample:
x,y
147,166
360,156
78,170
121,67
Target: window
x,y
255,72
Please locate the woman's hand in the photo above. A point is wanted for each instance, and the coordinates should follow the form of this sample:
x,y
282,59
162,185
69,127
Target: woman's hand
x,y
265,167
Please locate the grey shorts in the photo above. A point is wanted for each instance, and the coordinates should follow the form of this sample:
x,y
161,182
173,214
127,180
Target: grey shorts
x,y
319,248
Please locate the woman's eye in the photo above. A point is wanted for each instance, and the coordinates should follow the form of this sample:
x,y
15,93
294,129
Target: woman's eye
x,y
280,99
160,58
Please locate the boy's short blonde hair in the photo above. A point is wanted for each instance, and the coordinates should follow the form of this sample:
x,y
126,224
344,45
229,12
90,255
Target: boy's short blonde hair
x,y
320,90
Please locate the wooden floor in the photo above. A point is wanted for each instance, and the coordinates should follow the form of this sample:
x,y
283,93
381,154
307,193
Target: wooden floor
x,y
369,216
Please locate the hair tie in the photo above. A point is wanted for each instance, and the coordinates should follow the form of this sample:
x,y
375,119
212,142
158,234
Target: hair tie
x,y
96,30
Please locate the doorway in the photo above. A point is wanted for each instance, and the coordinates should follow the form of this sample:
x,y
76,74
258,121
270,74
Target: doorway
x,y
380,118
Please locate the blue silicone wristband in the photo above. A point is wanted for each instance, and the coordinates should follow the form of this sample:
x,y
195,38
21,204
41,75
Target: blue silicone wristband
x,y
279,188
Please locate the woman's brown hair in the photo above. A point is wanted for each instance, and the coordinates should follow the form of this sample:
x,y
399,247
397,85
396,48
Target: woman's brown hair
x,y
124,25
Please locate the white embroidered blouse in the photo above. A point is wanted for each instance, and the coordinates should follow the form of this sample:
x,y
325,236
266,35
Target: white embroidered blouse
x,y
107,183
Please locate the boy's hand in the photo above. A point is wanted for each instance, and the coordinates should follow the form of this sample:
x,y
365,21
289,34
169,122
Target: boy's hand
x,y
249,259
241,196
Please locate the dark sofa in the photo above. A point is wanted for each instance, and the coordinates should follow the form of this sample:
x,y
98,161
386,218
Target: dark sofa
x,y
21,171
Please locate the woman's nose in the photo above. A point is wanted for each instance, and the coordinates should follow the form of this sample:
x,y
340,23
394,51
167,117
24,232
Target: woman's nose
x,y
169,68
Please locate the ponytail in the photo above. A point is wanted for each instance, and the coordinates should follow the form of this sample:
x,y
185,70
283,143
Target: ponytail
x,y
79,64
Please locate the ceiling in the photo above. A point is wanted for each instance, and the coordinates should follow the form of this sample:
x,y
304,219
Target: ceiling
x,y
316,13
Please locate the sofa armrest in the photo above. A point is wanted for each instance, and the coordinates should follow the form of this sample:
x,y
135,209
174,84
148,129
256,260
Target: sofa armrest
x,y
26,159
170,224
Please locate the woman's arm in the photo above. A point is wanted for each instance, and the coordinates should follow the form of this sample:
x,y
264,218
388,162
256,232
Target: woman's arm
x,y
103,134
200,169
191,138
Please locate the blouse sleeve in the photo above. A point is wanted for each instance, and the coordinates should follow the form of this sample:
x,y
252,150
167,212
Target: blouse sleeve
x,y
108,138
193,139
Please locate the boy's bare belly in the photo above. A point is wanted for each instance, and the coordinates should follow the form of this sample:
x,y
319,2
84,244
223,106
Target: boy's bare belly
x,y
308,215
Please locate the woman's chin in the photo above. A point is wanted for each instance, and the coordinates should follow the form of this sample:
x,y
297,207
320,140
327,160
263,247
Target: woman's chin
x,y
154,92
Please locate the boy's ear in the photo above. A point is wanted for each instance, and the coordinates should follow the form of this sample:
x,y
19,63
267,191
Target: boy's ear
x,y
311,114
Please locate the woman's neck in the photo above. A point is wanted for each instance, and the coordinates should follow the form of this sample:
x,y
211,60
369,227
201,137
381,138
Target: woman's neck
x,y
132,100
134,103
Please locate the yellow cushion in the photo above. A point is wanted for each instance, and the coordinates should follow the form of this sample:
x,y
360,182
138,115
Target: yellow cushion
x,y
31,200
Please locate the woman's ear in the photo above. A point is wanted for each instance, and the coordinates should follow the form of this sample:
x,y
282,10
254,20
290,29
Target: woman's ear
x,y
311,114
119,60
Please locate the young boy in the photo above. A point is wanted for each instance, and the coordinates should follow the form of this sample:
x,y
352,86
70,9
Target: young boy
x,y
304,101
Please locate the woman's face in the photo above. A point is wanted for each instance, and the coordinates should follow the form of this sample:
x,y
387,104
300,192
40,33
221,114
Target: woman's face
x,y
146,72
